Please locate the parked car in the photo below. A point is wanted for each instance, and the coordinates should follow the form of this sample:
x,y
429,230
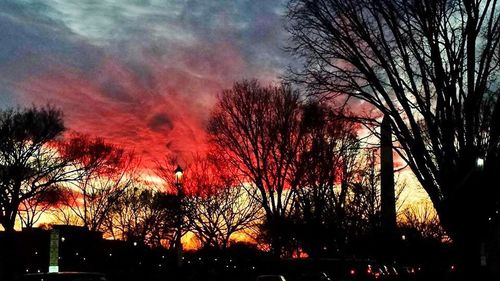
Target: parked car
x,y
315,276
270,278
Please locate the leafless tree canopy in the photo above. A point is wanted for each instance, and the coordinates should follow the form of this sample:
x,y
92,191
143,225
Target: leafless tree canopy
x,y
32,209
432,67
423,218
258,128
141,214
325,169
220,205
29,160
104,173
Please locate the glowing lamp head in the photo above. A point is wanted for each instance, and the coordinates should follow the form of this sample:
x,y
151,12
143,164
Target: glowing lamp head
x,y
178,174
480,163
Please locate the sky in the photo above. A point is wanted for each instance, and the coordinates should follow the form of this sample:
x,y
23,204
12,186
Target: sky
x,y
142,74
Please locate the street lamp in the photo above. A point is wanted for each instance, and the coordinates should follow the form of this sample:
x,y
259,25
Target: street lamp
x,y
178,175
178,243
480,163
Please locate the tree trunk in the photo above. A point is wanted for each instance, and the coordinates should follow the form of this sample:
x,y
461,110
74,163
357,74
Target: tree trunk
x,y
276,244
275,228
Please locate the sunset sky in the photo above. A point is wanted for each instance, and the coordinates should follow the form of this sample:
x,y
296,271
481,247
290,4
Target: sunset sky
x,y
142,74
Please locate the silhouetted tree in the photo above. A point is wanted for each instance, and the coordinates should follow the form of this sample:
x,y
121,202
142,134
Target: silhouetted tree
x,y
30,164
219,206
365,201
431,67
258,128
326,162
423,218
366,192
32,209
29,160
140,214
104,173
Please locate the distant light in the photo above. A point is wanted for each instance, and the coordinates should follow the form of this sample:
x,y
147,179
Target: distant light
x,y
178,174
76,254
325,248
38,271
452,267
84,259
110,254
234,267
403,237
135,243
480,162
215,259
63,239
199,259
36,253
352,271
159,265
27,270
489,218
162,257
253,267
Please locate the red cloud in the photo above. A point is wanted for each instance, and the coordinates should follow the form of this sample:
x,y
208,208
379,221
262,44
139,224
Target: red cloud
x,y
165,115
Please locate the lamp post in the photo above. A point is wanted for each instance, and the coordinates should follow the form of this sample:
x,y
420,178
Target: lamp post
x,y
180,195
483,262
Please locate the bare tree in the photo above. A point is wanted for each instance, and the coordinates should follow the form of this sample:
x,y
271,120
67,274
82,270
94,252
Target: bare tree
x,y
364,203
366,192
423,218
65,216
29,159
258,129
105,172
431,67
325,167
140,214
32,209
219,206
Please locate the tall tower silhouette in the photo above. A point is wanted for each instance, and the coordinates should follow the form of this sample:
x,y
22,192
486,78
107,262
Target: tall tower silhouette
x,y
387,194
